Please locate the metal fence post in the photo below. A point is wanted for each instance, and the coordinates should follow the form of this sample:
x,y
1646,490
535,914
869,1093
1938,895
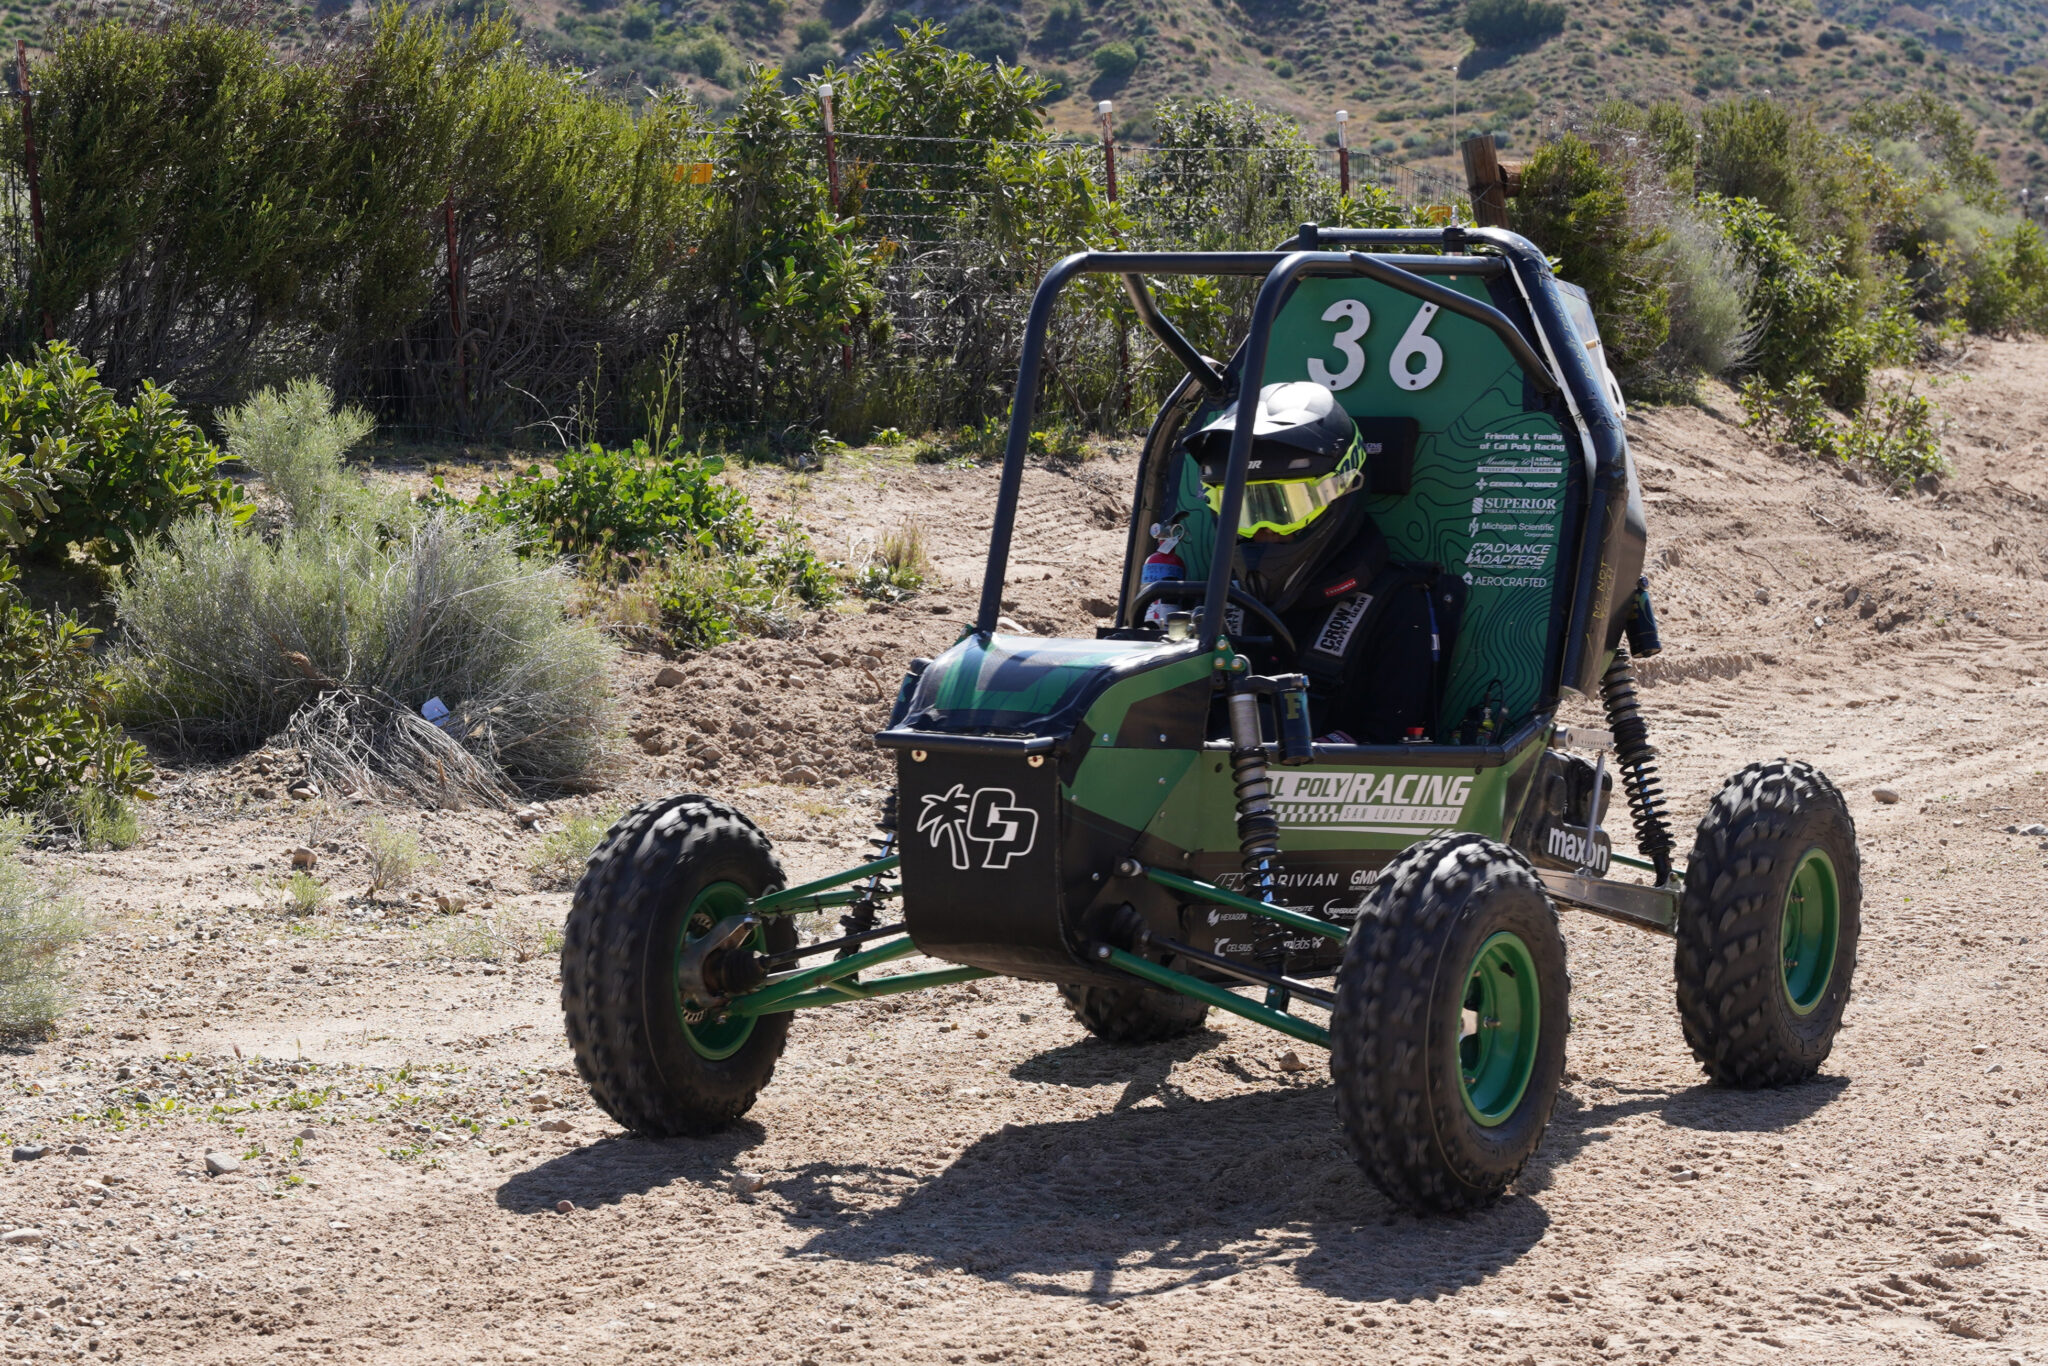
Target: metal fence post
x,y
831,147
28,149
1103,111
1344,153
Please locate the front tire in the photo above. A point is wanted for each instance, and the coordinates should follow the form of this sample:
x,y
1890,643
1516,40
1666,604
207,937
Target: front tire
x,y
665,874
1768,926
1447,1043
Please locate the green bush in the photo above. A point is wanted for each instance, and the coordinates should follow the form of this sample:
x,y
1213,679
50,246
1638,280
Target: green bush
x,y
38,922
1512,23
59,754
697,598
1115,60
559,858
295,439
1813,317
606,505
1894,435
1575,206
127,470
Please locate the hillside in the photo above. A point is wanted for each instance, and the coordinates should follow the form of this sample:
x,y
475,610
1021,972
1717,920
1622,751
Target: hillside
x,y
1392,62
1412,77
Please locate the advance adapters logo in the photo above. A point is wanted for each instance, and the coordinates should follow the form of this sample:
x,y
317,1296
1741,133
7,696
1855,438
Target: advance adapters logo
x,y
1394,803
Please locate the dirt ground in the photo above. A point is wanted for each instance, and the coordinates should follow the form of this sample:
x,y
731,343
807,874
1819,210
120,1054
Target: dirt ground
x,y
965,1175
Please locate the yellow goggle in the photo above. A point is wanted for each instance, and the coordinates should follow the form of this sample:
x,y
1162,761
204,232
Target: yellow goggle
x,y
1285,506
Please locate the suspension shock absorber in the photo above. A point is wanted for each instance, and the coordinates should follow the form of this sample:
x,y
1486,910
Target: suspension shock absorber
x,y
1637,762
1258,828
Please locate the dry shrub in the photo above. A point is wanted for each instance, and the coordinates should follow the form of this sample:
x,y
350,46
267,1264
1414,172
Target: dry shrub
x,y
340,632
38,922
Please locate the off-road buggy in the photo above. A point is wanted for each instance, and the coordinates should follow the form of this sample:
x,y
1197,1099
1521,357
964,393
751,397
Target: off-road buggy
x,y
1149,820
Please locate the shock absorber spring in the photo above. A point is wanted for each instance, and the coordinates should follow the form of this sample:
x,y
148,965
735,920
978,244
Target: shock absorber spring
x,y
1637,762
1258,829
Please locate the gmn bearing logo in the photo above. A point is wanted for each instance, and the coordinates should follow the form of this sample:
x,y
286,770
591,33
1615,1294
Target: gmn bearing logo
x,y
987,820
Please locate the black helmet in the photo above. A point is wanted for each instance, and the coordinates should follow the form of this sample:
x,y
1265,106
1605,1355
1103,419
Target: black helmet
x,y
1306,461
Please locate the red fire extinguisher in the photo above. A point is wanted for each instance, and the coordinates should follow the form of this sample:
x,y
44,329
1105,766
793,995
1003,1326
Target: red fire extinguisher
x,y
1160,565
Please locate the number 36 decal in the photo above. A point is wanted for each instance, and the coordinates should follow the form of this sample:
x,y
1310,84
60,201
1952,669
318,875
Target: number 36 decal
x,y
1415,343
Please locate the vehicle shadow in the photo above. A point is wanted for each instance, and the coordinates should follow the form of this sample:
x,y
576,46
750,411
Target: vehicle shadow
x,y
607,1170
1163,1190
1163,1193
1577,1123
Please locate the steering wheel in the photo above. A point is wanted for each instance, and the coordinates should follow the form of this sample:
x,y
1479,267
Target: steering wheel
x,y
1152,592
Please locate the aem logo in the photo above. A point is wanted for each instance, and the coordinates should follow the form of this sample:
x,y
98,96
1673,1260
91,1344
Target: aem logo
x,y
987,820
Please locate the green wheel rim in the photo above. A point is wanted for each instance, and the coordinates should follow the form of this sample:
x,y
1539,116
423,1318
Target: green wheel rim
x,y
712,1037
1501,1017
1809,930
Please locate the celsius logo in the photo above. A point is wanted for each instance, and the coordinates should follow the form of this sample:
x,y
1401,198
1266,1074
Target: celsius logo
x,y
987,819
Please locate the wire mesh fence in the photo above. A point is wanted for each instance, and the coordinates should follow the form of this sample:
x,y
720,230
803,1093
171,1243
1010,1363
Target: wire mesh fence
x,y
954,234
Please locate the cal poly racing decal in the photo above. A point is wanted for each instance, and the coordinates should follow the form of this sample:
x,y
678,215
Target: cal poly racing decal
x,y
1375,803
987,821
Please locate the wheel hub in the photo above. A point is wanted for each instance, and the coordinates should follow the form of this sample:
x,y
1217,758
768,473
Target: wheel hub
x,y
1498,1028
1808,930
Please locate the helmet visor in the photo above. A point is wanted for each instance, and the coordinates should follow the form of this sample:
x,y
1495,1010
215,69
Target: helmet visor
x,y
1285,506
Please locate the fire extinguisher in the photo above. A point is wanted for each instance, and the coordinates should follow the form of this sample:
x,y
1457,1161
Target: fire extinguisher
x,y
1162,564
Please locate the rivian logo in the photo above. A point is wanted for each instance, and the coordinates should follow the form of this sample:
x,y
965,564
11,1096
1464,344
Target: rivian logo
x,y
987,822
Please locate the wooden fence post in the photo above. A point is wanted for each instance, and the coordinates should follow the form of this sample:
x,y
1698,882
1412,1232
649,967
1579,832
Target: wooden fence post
x,y
455,304
28,149
1483,177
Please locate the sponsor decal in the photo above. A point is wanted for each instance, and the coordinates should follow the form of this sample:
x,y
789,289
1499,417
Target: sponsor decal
x,y
1574,848
1492,555
1338,627
1395,802
1232,882
987,822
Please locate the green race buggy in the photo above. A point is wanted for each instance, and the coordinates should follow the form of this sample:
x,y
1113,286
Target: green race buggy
x,y
1149,820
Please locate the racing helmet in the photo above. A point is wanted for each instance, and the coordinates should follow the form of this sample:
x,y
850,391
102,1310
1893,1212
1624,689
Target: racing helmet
x,y
1307,459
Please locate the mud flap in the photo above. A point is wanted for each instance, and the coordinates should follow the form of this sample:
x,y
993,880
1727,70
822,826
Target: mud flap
x,y
981,840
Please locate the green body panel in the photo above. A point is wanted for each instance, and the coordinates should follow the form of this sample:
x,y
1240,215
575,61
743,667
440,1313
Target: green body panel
x,y
1023,683
1336,807
1489,499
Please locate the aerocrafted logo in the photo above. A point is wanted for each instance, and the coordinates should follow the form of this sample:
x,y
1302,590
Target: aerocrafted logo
x,y
987,821
1393,803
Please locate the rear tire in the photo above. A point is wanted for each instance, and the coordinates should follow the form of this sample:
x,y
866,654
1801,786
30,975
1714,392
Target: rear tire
x,y
1768,926
1134,1014
667,871
1447,1043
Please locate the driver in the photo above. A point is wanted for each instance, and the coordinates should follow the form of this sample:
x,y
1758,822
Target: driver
x,y
1307,547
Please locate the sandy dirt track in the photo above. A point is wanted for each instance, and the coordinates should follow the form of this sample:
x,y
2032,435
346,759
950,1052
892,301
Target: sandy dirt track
x,y
965,1176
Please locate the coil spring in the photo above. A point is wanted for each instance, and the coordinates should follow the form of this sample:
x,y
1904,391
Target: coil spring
x,y
1637,762
1258,830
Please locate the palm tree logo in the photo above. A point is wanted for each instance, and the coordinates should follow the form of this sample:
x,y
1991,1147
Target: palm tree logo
x,y
943,816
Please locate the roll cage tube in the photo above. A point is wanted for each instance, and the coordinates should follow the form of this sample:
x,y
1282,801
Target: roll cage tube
x,y
1281,270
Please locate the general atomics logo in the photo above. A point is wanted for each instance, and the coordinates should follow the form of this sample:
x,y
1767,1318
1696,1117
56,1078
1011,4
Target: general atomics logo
x,y
1374,803
987,821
